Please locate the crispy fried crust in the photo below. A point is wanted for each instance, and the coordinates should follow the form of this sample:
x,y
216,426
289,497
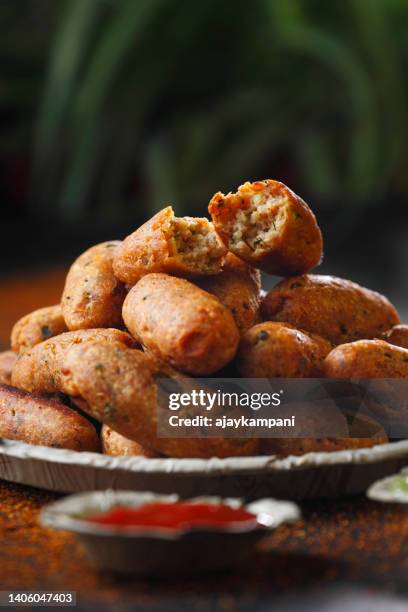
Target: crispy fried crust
x,y
366,359
278,350
119,387
336,309
39,369
361,431
185,246
40,420
92,295
7,363
36,327
115,445
397,335
269,226
238,288
181,324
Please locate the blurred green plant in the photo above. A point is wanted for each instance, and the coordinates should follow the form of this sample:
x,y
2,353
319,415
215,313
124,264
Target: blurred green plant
x,y
154,101
23,47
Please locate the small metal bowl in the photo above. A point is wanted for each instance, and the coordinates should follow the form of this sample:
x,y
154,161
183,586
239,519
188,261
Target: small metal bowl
x,y
161,551
393,489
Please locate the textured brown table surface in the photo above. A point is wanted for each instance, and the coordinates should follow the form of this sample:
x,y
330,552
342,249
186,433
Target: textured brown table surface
x,y
339,549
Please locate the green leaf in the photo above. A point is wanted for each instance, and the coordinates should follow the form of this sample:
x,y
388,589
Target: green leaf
x,y
120,34
66,57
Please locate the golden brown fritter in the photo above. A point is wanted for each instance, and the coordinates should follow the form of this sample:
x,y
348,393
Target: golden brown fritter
x,y
92,296
269,226
7,363
397,335
181,324
36,327
366,359
39,369
279,350
184,246
120,390
42,420
238,287
316,432
334,308
115,445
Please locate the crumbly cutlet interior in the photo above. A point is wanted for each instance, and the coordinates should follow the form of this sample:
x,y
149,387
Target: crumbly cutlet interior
x,y
195,242
258,224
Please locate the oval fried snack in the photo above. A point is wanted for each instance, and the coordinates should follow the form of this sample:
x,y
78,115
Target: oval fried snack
x,y
238,287
184,246
42,420
119,387
115,445
362,432
334,308
382,361
181,324
279,350
397,335
366,359
39,369
92,296
269,226
7,362
36,327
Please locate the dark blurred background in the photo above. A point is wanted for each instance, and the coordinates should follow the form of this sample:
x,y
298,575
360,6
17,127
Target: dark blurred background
x,y
109,109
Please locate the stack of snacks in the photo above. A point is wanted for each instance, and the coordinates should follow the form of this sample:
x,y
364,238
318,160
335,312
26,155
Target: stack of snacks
x,y
182,297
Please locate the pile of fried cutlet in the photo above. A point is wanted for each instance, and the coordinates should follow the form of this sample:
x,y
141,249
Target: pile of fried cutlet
x,y
182,297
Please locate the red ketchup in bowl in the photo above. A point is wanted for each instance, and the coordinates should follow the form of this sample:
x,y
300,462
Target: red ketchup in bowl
x,y
178,515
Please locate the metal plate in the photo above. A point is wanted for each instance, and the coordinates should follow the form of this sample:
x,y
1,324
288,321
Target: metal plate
x,y
314,475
